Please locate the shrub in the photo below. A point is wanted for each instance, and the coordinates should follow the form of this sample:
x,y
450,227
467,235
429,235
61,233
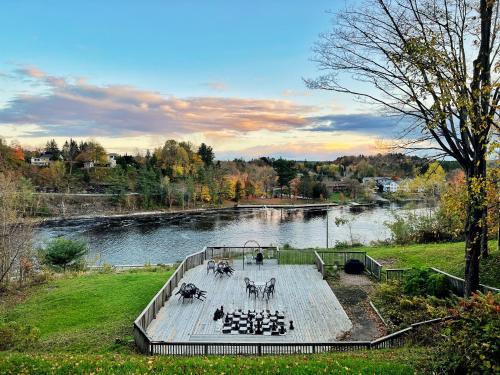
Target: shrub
x,y
401,310
62,252
421,282
471,342
17,336
354,266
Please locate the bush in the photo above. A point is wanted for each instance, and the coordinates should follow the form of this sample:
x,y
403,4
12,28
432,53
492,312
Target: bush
x,y
62,252
401,310
413,228
354,266
422,282
471,342
17,336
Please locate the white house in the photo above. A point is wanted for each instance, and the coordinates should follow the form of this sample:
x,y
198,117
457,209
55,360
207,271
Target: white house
x,y
390,187
112,160
42,160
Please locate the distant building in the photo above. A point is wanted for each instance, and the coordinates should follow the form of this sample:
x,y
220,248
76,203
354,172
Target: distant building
x,y
88,164
383,184
390,187
42,160
334,186
112,160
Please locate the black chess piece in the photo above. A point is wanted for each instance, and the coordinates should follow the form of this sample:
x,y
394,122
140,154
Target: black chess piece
x,y
274,326
282,330
250,328
227,319
216,314
291,325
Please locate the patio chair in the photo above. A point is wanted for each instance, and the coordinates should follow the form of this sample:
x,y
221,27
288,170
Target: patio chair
x,y
211,265
253,290
248,259
268,290
248,284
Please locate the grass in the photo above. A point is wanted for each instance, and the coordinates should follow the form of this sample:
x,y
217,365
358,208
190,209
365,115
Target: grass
x,y
401,361
86,313
448,257
81,316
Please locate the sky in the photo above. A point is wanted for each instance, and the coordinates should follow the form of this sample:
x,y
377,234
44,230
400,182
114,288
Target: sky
x,y
132,74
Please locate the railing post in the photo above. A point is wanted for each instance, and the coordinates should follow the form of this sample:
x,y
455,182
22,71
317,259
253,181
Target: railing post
x,y
259,349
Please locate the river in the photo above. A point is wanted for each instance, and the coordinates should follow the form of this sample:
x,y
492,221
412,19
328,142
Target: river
x,y
169,238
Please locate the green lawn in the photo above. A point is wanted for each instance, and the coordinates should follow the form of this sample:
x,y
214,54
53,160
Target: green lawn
x,y
448,257
401,361
86,312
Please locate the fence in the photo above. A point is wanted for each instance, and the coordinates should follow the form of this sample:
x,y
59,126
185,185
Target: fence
x,y
392,340
458,284
149,313
395,273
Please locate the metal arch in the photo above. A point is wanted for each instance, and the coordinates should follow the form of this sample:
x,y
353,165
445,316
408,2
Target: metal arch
x,y
245,245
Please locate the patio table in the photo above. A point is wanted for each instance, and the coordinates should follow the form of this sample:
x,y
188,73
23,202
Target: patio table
x,y
260,285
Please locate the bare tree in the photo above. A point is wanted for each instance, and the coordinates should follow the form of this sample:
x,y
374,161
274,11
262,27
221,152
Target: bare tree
x,y
15,228
434,63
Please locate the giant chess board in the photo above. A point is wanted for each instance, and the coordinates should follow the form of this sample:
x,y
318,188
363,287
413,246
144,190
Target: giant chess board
x,y
264,323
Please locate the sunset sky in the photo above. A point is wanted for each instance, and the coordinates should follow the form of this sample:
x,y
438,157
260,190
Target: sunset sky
x,y
132,74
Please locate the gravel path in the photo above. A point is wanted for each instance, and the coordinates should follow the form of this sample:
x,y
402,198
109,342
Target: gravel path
x,y
352,291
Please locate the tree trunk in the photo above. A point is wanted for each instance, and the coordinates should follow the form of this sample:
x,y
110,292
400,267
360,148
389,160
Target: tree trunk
x,y
473,224
484,228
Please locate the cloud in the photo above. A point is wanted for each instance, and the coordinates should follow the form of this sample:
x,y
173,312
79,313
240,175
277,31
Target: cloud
x,y
292,93
359,123
301,151
216,85
72,107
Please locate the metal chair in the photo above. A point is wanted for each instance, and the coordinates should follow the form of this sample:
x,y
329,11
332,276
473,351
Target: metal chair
x,y
253,290
211,265
248,284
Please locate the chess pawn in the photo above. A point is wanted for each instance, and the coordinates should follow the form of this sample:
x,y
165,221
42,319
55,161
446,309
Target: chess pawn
x,y
291,325
227,318
216,314
250,328
282,330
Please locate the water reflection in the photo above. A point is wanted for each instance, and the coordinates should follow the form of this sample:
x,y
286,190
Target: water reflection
x,y
170,238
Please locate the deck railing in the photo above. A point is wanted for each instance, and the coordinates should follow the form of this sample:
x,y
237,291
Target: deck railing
x,y
392,340
320,264
149,313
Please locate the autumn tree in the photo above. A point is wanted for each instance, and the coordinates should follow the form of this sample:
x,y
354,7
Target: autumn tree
x,y
433,63
16,227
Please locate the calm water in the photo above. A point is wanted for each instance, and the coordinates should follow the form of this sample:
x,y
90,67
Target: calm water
x,y
170,239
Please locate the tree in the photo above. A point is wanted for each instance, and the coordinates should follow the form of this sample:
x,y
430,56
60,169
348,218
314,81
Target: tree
x,y
206,154
237,191
412,57
16,228
63,252
52,148
69,152
285,169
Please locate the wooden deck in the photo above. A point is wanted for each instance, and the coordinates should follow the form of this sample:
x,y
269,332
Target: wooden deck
x,y
300,292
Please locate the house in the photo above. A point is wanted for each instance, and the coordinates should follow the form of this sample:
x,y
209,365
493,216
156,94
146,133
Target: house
x,y
383,184
333,186
42,160
112,160
390,187
88,164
